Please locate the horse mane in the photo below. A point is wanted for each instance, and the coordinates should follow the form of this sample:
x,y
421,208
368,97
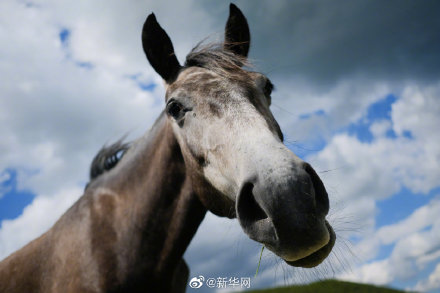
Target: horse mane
x,y
214,57
107,158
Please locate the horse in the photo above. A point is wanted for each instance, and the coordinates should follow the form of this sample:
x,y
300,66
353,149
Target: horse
x,y
215,147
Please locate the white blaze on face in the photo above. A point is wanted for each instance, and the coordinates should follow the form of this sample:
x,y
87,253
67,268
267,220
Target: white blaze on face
x,y
241,145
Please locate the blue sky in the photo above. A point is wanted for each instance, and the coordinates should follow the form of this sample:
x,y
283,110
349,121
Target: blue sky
x,y
357,96
13,200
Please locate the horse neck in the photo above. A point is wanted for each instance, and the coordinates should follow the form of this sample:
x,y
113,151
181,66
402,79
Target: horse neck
x,y
159,212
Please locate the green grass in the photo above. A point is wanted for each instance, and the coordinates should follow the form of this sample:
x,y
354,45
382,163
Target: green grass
x,y
329,286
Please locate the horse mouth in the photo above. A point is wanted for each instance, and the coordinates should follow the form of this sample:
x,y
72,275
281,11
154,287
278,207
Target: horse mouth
x,y
318,256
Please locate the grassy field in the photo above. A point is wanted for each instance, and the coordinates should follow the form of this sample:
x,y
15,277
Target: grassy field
x,y
329,286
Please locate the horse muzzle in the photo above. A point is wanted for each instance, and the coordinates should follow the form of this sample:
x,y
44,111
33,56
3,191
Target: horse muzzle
x,y
287,214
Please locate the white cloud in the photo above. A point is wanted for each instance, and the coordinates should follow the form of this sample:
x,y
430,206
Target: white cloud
x,y
416,243
344,103
363,173
37,217
380,128
421,218
110,35
366,172
418,112
4,177
431,284
378,273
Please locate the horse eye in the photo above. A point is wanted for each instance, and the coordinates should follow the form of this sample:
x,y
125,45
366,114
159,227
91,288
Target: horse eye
x,y
174,109
268,88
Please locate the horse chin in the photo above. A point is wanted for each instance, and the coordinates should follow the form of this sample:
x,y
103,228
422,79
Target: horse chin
x,y
318,256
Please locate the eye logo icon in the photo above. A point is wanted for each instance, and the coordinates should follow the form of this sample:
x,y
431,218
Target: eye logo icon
x,y
196,282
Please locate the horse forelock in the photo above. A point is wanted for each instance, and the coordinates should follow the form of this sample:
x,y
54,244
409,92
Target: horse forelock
x,y
214,57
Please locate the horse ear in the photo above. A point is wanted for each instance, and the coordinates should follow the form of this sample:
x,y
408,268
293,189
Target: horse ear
x,y
237,35
159,50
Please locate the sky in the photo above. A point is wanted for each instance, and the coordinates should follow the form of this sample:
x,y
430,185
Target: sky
x,y
357,94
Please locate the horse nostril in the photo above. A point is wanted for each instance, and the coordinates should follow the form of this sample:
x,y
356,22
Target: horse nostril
x,y
256,223
321,196
247,207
